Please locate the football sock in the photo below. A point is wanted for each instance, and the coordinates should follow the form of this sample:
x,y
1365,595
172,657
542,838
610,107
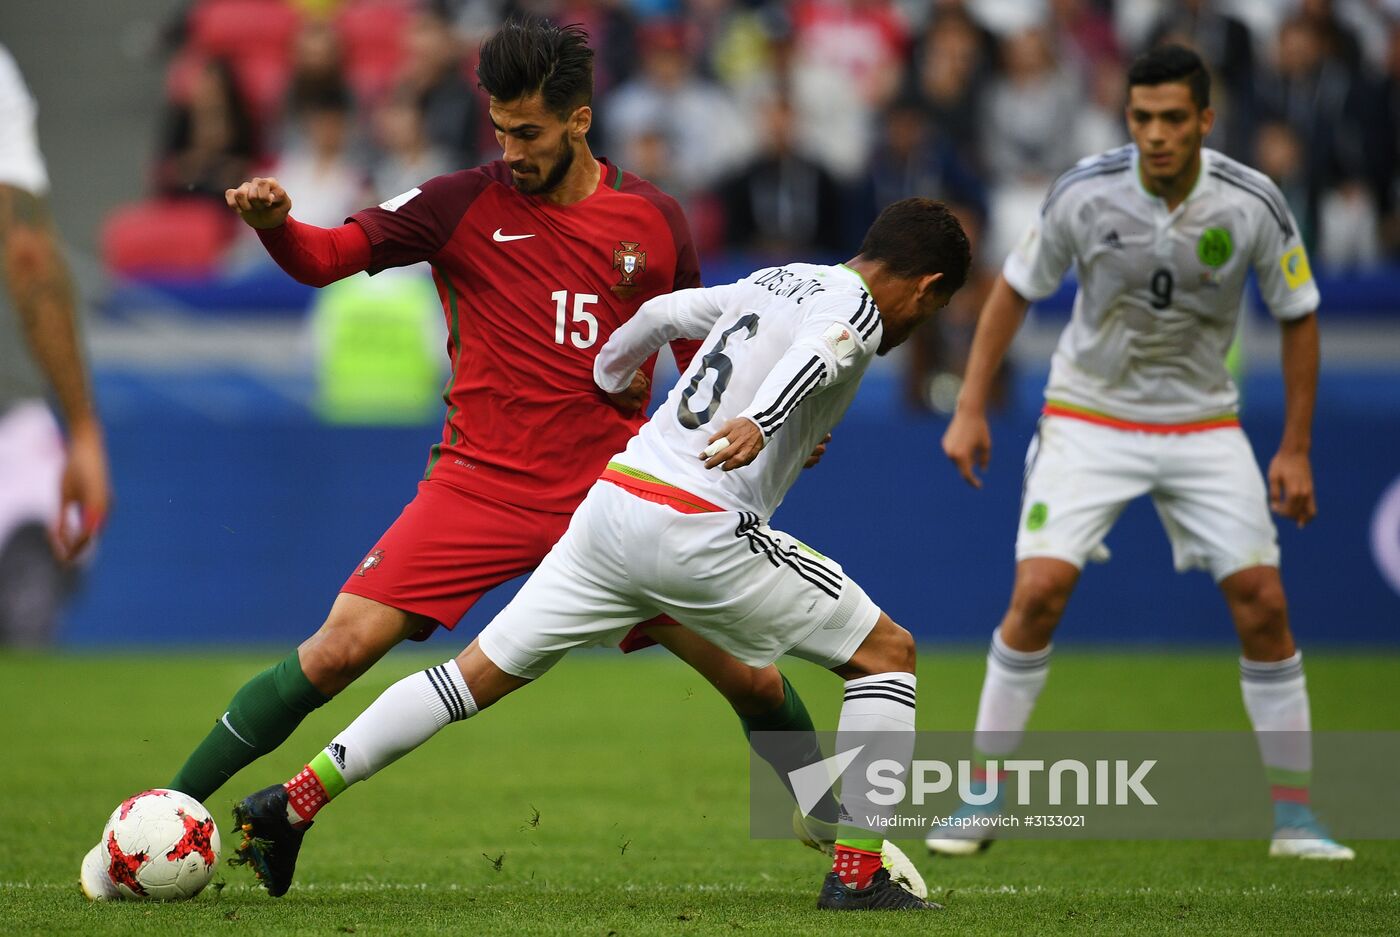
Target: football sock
x,y
259,718
1013,682
1276,698
405,716
796,748
878,715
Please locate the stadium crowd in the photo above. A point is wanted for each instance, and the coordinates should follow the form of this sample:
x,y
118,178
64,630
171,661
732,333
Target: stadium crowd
x,y
784,125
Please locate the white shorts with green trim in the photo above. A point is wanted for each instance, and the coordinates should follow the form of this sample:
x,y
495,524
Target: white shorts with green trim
x,y
1206,486
754,591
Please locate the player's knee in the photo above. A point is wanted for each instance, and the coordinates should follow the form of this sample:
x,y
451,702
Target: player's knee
x,y
334,657
1039,601
761,692
896,651
1261,609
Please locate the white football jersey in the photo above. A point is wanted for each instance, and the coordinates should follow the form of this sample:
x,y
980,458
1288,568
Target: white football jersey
x,y
786,348
21,164
1159,291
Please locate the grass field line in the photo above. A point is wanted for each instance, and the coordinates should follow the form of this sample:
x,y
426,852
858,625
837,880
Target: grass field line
x,y
369,888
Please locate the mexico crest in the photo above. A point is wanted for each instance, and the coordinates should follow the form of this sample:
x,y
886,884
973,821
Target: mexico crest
x,y
629,262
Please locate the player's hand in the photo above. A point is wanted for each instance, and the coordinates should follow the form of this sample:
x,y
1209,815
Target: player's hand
x,y
818,452
967,443
1291,492
742,442
262,203
85,491
634,397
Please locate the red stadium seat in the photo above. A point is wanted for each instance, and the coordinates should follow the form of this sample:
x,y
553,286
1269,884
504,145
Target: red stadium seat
x,y
169,237
371,33
238,29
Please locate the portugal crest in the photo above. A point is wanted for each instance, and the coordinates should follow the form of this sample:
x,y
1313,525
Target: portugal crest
x,y
370,562
629,262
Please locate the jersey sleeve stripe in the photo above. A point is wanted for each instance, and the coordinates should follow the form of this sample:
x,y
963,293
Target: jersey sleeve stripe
x,y
1259,191
865,313
808,378
1111,163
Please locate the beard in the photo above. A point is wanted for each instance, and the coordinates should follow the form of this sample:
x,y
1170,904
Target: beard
x,y
563,161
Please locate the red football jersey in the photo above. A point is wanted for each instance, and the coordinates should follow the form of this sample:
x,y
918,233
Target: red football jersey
x,y
531,291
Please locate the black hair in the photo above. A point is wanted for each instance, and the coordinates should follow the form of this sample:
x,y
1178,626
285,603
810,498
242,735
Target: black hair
x,y
1171,63
530,55
915,237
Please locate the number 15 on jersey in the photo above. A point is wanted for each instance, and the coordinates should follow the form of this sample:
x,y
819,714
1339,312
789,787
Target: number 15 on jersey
x,y
585,326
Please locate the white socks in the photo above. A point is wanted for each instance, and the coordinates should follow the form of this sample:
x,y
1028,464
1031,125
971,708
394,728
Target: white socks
x,y
1009,691
882,703
1276,698
405,716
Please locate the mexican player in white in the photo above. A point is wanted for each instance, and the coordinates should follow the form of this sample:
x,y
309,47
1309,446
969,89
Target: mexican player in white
x,y
1163,233
669,529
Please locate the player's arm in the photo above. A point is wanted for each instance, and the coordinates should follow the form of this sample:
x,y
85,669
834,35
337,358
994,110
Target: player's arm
x,y
825,351
1286,283
1032,271
968,441
43,294
684,314
1290,473
309,254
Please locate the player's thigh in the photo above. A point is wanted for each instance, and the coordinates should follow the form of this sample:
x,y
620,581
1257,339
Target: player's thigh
x,y
581,594
1078,478
756,592
448,548
1214,505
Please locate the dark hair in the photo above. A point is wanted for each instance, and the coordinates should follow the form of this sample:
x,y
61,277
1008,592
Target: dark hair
x,y
918,236
1172,63
530,55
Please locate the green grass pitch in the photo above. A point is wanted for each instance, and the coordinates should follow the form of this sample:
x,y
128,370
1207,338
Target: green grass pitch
x,y
638,773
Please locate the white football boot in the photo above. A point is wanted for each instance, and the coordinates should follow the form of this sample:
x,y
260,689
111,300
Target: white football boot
x,y
97,885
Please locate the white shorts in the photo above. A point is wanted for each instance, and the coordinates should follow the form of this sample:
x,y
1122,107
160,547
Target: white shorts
x,y
31,467
1206,487
754,591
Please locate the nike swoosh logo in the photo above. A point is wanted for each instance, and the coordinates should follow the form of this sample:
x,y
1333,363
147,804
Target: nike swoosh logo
x,y
498,236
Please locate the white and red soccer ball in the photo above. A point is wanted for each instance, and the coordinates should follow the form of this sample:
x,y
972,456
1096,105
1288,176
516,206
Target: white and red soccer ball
x,y
160,845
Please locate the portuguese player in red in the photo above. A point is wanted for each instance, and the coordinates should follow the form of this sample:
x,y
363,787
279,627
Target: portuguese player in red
x,y
537,258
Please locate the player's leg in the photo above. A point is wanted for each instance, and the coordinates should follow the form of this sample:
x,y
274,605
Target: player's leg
x,y
266,709
1275,694
765,701
1215,511
1079,476
567,602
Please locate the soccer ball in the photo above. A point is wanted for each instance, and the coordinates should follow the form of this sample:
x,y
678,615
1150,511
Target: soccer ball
x,y
161,845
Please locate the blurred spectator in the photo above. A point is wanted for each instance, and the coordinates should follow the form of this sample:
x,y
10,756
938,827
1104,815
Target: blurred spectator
x,y
1228,50
1027,113
783,203
208,144
1084,34
1337,39
1278,154
952,67
434,75
406,157
327,184
1100,125
317,64
866,41
705,132
1320,99
912,158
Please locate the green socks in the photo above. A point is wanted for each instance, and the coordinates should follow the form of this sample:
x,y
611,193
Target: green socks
x,y
796,750
259,718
